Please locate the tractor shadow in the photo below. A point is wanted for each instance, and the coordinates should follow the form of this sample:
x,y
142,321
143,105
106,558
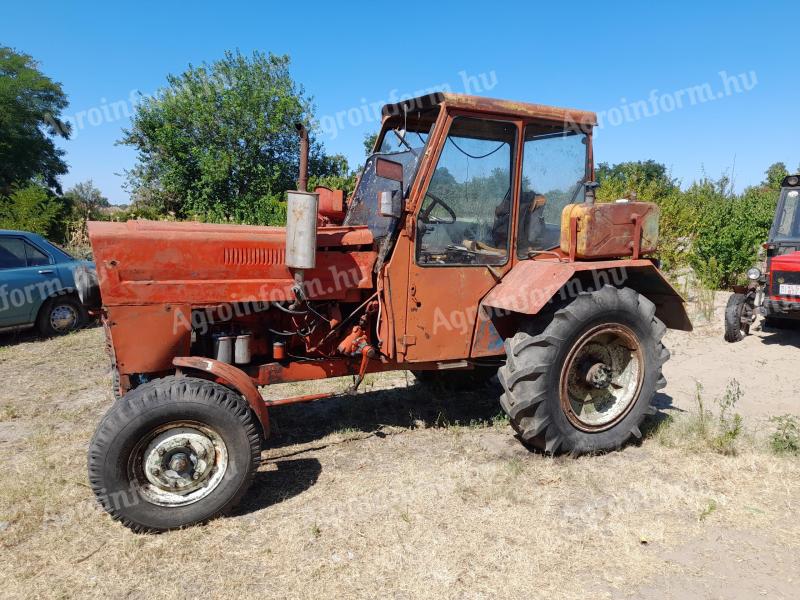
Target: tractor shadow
x,y
416,406
283,480
665,411
788,336
293,426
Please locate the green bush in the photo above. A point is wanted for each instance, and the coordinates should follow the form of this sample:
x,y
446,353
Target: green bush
x,y
649,181
786,437
729,232
706,429
35,208
705,226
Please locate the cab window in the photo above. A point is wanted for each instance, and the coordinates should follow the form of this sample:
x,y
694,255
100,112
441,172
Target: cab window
x,y
464,215
554,169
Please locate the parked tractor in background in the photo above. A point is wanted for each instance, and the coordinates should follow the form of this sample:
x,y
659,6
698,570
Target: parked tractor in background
x,y
773,289
471,243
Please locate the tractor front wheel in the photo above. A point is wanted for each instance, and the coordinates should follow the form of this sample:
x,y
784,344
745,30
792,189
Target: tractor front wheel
x,y
738,313
583,378
173,452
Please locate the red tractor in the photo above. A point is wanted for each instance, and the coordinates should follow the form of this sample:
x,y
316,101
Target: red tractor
x,y
772,292
472,243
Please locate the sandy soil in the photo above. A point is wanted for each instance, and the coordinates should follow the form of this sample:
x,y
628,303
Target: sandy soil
x,y
764,364
404,492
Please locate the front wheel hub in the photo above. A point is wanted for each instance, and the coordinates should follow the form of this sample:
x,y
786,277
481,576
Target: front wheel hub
x,y
180,464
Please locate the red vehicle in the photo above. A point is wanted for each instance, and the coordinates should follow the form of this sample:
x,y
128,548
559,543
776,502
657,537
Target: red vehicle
x,y
472,243
774,292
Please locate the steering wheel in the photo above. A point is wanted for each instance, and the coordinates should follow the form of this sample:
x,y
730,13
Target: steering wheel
x,y
425,215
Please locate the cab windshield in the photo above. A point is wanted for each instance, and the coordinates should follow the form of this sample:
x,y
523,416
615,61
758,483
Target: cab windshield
x,y
402,140
787,217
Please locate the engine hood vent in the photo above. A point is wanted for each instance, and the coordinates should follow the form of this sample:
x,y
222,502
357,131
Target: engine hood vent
x,y
254,256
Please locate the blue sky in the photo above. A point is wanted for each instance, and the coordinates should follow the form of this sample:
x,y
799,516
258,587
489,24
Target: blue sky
x,y
636,64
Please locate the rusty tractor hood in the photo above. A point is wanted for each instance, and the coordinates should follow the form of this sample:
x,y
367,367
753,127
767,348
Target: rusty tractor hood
x,y
157,262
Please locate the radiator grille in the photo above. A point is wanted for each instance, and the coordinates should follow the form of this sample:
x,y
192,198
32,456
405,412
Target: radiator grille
x,y
254,256
779,277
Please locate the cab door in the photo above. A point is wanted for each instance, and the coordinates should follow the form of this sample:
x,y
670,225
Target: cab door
x,y
462,236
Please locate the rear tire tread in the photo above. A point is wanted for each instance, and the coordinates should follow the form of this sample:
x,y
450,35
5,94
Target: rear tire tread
x,y
532,356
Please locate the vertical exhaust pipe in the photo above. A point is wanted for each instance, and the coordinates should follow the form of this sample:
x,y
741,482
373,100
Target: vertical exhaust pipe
x,y
302,182
301,224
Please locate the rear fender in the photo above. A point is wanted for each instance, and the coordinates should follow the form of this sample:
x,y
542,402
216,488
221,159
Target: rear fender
x,y
531,285
231,377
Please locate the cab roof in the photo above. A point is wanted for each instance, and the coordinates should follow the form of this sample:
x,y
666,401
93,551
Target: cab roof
x,y
510,108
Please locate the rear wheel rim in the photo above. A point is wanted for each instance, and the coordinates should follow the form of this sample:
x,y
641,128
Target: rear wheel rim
x,y
602,377
63,318
178,463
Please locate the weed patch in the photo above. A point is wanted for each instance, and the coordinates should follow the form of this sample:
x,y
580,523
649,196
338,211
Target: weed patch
x,y
786,437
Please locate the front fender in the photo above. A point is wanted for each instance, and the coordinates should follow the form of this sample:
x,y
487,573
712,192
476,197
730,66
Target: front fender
x,y
532,284
232,377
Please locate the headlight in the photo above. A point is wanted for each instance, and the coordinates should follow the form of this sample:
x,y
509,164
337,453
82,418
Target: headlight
x,y
754,274
791,181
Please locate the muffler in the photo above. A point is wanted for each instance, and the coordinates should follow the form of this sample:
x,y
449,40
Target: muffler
x,y
302,208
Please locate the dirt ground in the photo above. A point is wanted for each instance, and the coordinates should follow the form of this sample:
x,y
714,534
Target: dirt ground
x,y
404,492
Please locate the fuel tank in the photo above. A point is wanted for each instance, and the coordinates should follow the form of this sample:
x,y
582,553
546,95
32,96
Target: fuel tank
x,y
157,262
609,230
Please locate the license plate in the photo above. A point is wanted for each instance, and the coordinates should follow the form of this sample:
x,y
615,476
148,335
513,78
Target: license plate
x,y
789,289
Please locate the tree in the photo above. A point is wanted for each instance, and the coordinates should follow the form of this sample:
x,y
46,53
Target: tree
x,y
219,142
650,182
369,143
35,208
86,200
30,119
648,179
775,175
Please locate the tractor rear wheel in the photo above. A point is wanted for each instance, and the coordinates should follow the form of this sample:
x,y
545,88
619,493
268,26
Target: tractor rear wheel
x,y
736,310
583,378
173,452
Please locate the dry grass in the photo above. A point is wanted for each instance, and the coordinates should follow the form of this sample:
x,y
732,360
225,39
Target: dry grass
x,y
398,492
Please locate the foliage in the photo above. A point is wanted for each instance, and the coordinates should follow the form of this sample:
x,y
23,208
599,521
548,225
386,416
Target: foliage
x,y
729,426
649,181
731,229
35,208
775,176
706,226
139,211
30,117
704,429
86,200
786,437
219,142
339,177
369,143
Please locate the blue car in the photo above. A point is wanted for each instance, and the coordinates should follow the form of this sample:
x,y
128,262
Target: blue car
x,y
38,285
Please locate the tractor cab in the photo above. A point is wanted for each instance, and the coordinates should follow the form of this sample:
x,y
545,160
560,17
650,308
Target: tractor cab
x,y
774,292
